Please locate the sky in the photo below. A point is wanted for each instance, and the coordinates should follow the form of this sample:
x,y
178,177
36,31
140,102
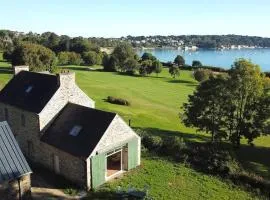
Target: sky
x,y
116,18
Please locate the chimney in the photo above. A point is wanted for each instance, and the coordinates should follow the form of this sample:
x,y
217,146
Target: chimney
x,y
66,79
18,69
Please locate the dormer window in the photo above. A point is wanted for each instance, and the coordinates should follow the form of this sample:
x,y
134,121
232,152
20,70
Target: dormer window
x,y
75,130
29,89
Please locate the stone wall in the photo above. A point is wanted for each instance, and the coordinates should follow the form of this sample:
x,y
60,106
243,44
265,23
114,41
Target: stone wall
x,y
23,133
71,167
11,190
18,69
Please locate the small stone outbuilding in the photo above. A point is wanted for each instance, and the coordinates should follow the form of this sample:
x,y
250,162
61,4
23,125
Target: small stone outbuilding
x,y
57,126
15,183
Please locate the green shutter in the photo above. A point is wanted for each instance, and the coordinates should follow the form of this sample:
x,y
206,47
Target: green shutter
x,y
98,170
132,154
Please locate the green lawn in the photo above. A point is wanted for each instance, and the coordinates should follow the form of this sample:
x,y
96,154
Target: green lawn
x,y
155,104
169,180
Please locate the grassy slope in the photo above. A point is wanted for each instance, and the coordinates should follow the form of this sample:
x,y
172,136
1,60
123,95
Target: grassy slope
x,y
156,102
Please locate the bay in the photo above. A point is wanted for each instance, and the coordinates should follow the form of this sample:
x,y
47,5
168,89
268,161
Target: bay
x,y
218,58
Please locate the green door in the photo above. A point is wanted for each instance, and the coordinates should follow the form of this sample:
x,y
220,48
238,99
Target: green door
x,y
98,170
132,154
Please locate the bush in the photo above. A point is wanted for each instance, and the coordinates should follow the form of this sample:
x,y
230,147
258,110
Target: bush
x,y
37,57
118,101
202,74
152,142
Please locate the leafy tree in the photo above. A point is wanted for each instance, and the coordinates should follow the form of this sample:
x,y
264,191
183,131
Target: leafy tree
x,y
63,58
196,63
174,71
37,57
80,45
179,60
246,97
204,109
122,52
69,58
202,74
109,63
146,67
130,66
74,58
239,104
157,67
148,56
91,58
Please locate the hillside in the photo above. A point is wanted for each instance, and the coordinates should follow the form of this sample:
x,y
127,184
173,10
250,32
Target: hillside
x,y
155,104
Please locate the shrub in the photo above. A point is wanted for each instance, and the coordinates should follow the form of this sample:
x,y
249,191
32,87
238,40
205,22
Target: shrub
x,y
152,142
202,74
37,57
173,145
119,101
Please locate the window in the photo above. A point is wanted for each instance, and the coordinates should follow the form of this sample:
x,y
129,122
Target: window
x,y
6,113
29,89
75,130
23,120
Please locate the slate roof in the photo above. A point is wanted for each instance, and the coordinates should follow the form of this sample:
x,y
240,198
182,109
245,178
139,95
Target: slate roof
x,y
41,87
12,162
94,123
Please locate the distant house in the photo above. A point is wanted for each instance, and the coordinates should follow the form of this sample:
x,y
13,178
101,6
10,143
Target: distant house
x,y
15,173
57,126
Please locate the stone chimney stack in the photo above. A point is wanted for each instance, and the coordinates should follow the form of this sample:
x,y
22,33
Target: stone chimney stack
x,y
18,69
66,79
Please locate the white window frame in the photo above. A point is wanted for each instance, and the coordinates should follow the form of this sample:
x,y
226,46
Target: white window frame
x,y
116,150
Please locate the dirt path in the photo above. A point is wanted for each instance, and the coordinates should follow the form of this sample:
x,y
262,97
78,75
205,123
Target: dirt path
x,y
52,194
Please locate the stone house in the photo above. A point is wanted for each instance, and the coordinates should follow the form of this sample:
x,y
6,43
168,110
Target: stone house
x,y
57,126
15,172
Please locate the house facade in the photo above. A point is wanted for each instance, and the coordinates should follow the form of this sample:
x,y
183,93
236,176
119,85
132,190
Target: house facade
x,y
57,126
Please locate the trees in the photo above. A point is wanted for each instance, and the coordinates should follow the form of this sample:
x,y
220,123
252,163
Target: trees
x,y
174,71
239,105
179,60
69,58
202,74
92,58
196,63
131,66
148,56
122,52
146,67
245,91
109,63
204,109
37,57
157,67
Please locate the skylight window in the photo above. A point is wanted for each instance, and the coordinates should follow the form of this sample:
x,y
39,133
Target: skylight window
x,y
75,130
29,89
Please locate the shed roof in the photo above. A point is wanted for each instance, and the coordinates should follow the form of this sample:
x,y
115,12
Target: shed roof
x,y
12,162
78,129
29,90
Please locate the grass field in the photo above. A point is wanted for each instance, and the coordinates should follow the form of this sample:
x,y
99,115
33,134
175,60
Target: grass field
x,y
155,104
